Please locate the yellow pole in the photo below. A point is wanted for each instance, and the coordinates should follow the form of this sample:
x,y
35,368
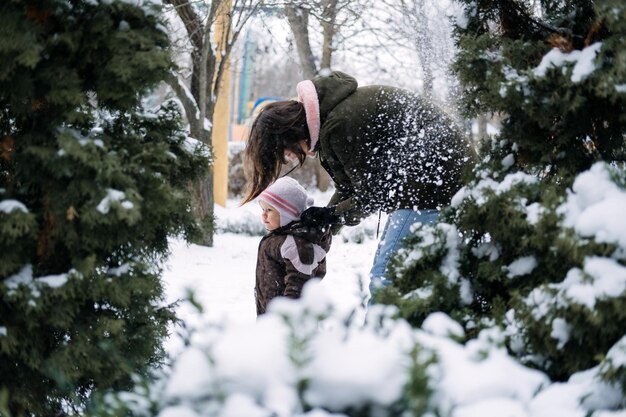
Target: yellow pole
x,y
221,117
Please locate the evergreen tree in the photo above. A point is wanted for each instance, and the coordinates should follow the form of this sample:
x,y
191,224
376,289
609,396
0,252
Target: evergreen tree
x,y
532,243
93,180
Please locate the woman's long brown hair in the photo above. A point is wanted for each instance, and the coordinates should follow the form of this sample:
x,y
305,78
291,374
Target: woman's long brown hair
x,y
279,127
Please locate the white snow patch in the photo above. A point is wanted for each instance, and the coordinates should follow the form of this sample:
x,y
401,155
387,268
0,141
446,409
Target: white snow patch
x,y
477,192
113,195
508,161
53,281
191,376
440,324
583,61
560,331
605,278
192,146
120,270
521,266
595,206
7,206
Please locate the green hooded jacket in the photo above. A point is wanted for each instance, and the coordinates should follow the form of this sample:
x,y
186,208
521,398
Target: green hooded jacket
x,y
386,148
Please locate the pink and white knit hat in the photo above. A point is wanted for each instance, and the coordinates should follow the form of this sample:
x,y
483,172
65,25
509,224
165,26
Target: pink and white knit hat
x,y
288,197
307,95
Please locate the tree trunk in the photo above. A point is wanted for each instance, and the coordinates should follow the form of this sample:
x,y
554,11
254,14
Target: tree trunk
x,y
322,179
202,190
329,17
202,206
298,19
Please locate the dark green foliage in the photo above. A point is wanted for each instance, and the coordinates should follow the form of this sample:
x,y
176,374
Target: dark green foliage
x,y
592,332
92,183
503,254
417,273
561,122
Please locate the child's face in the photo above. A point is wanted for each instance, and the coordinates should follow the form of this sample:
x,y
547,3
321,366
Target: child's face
x,y
270,216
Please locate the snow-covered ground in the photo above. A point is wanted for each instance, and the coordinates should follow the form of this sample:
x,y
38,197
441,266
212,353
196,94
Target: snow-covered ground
x,y
222,277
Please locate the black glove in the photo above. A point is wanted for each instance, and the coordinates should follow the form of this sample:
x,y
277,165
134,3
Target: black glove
x,y
320,217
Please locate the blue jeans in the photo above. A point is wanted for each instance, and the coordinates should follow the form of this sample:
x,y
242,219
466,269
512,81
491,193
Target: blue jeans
x,y
396,229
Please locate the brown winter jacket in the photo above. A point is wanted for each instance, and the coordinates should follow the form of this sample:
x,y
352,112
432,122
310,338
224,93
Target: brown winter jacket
x,y
288,257
387,148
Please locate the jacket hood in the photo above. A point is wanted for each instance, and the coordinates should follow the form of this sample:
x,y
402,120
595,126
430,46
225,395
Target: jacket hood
x,y
332,89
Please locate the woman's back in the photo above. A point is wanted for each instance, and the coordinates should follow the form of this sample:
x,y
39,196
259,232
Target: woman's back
x,y
392,148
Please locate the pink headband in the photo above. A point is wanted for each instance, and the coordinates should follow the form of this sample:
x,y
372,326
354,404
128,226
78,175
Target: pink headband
x,y
307,95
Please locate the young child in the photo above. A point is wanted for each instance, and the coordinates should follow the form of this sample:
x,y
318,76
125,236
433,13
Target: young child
x,y
289,254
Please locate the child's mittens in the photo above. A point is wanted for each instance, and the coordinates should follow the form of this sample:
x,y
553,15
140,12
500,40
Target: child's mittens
x,y
320,217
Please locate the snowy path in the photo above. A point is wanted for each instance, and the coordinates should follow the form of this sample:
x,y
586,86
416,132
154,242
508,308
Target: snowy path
x,y
222,277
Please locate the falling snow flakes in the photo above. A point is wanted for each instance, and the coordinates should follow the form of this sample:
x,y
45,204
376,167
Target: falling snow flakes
x,y
113,196
7,206
583,62
463,15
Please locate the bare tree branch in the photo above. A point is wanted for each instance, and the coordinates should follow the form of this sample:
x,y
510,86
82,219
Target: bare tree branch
x,y
189,104
190,19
